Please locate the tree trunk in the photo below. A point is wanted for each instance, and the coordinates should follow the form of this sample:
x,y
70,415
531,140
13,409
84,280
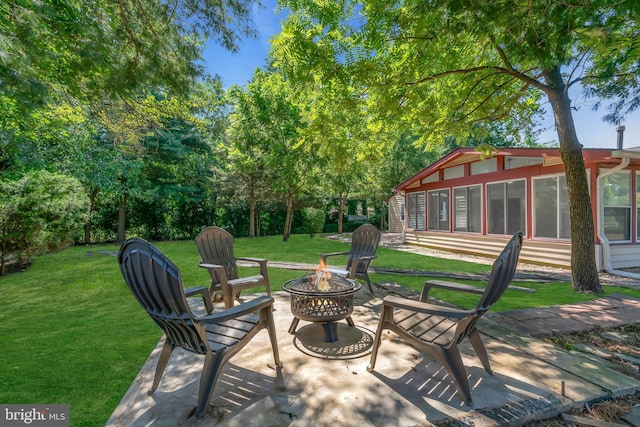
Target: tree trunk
x,y
252,215
584,273
340,212
3,251
258,223
214,200
289,217
87,225
122,212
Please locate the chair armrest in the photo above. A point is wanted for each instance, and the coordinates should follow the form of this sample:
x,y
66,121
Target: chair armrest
x,y
263,265
443,284
256,260
238,310
210,266
454,286
206,296
323,257
197,290
222,273
423,307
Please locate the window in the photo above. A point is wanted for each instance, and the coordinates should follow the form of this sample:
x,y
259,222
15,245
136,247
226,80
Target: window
x,y
454,172
616,191
467,208
506,207
512,162
434,177
416,210
551,208
638,206
438,210
402,212
484,166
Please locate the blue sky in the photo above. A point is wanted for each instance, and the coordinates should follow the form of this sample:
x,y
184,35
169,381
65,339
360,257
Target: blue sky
x,y
238,69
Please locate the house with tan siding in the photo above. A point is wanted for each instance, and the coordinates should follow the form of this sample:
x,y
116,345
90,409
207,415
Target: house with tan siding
x,y
467,203
395,203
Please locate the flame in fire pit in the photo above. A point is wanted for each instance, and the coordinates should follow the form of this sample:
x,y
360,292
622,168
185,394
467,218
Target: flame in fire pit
x,y
322,278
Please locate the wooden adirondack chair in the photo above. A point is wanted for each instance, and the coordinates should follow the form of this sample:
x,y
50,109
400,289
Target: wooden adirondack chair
x,y
157,285
437,330
216,249
364,243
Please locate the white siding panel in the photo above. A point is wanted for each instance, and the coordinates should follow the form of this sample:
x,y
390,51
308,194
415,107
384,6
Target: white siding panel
x,y
625,256
537,252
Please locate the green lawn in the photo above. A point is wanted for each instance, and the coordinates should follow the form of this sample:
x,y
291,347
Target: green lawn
x,y
71,333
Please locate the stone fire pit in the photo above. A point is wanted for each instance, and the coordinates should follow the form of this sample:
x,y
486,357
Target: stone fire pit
x,y
322,298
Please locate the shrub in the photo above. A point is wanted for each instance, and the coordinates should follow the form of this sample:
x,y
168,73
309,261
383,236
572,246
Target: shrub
x,y
38,213
314,220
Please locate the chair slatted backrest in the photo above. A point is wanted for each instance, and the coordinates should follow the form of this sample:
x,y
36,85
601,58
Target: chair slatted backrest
x,y
156,284
364,243
216,247
502,272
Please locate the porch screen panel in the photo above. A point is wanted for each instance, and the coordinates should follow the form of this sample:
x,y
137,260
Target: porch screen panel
x,y
617,206
475,209
422,212
415,211
460,208
564,216
545,197
438,210
495,208
467,209
516,206
637,206
506,207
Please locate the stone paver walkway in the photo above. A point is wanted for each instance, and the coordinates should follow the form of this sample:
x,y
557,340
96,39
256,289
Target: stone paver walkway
x,y
607,312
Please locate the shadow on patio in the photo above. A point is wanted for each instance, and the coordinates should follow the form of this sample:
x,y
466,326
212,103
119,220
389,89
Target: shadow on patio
x,y
327,384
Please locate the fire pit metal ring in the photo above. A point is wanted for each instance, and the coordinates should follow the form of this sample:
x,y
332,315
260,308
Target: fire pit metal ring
x,y
321,306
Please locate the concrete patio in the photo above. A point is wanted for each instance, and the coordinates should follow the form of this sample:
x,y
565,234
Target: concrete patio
x,y
327,384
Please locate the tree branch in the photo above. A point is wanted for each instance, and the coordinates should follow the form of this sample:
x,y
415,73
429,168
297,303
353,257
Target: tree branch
x,y
150,25
476,85
126,26
486,99
462,71
569,79
515,73
600,77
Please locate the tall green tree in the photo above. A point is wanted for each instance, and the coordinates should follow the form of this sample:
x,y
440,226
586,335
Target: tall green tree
x,y
247,148
273,112
441,66
93,49
348,150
